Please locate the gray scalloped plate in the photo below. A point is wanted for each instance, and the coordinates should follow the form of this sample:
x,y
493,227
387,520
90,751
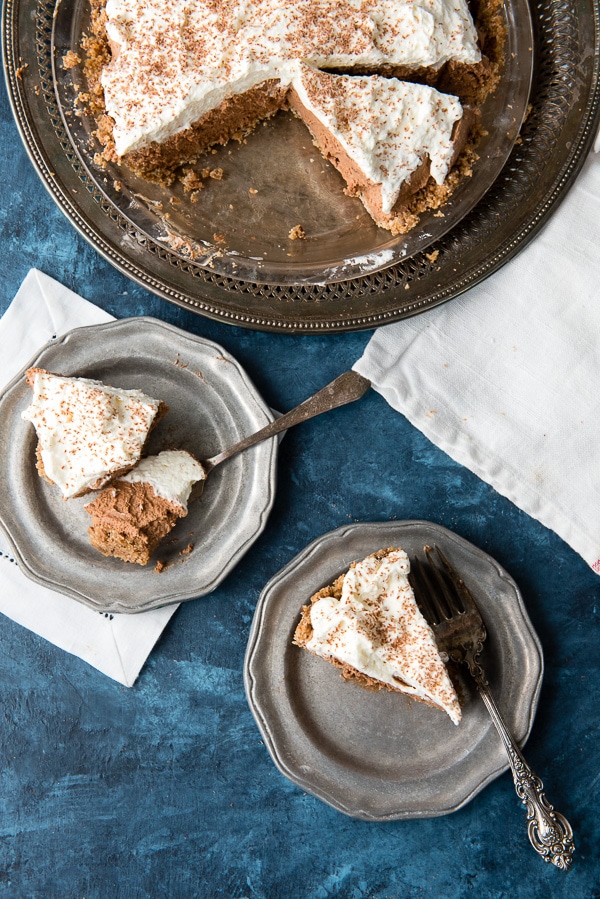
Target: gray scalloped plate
x,y
212,404
381,756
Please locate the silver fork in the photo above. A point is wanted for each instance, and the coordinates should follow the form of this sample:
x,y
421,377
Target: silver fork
x,y
460,632
346,388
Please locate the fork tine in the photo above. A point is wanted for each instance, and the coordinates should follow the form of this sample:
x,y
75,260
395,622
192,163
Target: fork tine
x,y
461,590
426,593
445,584
415,579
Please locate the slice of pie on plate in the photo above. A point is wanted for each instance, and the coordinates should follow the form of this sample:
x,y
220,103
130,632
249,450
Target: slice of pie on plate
x,y
88,432
368,624
133,515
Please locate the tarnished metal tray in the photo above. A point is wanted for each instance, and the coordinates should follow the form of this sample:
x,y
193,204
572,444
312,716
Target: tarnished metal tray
x,y
381,756
212,404
272,290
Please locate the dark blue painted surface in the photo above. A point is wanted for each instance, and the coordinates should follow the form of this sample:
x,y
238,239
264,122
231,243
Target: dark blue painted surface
x,y
165,789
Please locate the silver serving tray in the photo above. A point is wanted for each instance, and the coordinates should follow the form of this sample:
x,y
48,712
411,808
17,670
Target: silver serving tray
x,y
212,404
272,290
382,756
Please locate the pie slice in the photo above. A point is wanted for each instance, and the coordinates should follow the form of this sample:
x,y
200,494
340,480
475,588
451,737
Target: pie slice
x,y
388,138
368,624
132,516
88,432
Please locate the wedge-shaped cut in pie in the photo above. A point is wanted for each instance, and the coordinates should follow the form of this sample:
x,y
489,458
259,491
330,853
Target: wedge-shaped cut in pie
x,y
368,624
386,137
88,432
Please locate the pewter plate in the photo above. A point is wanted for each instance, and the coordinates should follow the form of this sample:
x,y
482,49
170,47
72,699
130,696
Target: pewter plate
x,y
212,404
382,756
558,131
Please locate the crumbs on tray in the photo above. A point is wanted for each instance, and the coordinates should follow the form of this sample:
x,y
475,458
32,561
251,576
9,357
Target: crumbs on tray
x,y
297,233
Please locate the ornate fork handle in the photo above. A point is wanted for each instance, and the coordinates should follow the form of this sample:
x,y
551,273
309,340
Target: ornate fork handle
x,y
549,832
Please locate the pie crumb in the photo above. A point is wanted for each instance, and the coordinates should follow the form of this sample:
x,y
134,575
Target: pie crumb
x,y
297,233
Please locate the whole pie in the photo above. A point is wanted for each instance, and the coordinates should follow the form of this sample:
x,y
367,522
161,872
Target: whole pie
x,y
389,89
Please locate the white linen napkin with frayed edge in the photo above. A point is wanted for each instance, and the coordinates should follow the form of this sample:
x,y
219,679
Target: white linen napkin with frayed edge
x,y
117,645
506,378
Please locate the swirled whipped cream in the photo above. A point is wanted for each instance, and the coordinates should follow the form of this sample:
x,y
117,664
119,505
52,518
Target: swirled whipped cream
x,y
87,431
376,628
173,61
171,474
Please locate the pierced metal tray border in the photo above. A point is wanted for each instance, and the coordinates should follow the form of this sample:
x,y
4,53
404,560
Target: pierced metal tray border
x,y
558,133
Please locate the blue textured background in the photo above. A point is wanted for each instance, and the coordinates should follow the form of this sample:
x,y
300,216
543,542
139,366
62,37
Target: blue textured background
x,y
166,789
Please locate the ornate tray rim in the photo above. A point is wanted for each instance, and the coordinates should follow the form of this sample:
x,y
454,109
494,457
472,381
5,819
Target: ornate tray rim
x,y
376,299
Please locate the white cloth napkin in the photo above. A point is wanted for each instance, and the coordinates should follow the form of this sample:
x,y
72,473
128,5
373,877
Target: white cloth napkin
x,y
506,378
117,645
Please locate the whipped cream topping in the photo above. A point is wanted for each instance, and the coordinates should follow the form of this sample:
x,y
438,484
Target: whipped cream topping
x,y
171,474
388,127
86,430
377,628
172,62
